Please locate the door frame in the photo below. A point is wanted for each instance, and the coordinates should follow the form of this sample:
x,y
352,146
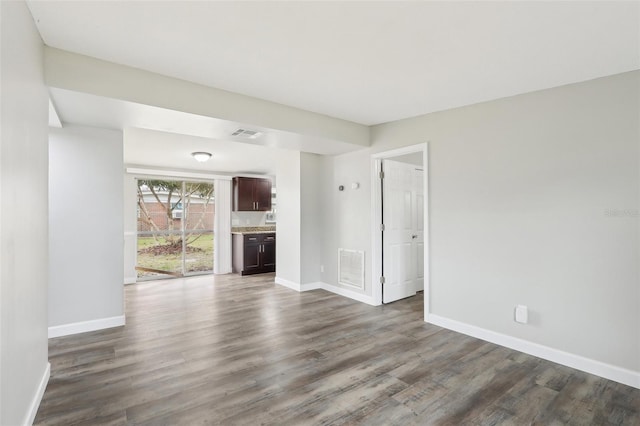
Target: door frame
x,y
376,219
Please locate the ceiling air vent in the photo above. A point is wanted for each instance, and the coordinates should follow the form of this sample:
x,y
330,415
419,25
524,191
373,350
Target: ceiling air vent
x,y
244,133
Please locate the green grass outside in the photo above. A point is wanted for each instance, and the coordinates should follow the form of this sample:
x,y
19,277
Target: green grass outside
x,y
197,261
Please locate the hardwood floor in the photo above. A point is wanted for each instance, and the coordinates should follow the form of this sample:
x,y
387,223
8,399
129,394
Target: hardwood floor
x,y
241,350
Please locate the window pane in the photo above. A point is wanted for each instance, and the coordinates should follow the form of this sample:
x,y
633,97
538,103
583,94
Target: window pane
x,y
199,252
160,205
175,228
199,206
159,255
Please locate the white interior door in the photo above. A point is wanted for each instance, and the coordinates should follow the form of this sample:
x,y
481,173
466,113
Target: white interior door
x,y
398,216
418,227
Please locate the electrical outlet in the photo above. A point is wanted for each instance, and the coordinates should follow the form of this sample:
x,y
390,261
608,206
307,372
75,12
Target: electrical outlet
x,y
321,268
522,314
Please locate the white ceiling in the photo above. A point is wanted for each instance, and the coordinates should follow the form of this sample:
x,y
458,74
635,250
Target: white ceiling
x,y
360,61
152,148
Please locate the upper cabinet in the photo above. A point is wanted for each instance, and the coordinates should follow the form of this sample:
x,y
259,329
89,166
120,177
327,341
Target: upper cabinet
x,y
251,194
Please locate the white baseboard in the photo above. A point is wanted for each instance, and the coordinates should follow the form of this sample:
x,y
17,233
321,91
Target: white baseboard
x,y
329,287
310,286
84,326
287,283
130,280
608,371
37,398
349,293
296,286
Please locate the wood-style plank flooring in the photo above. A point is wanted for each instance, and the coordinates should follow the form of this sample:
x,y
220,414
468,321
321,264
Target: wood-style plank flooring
x,y
234,350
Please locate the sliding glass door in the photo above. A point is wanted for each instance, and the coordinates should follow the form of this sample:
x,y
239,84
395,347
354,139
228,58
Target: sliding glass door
x,y
175,228
198,223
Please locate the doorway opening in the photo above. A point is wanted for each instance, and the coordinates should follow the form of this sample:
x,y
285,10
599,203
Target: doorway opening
x,y
400,224
174,228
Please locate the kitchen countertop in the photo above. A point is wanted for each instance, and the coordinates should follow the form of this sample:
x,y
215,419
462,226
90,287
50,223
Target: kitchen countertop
x,y
242,230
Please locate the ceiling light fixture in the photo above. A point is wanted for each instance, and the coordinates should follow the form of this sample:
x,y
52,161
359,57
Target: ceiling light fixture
x,y
201,156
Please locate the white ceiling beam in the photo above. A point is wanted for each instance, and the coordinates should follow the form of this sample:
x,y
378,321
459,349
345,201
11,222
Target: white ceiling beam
x,y
71,71
54,118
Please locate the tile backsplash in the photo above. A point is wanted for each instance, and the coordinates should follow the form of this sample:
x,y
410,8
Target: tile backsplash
x,y
248,218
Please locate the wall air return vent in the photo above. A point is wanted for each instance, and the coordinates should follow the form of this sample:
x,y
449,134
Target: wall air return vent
x,y
244,133
351,268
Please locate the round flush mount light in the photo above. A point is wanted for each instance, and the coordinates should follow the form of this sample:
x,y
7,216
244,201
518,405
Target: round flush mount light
x,y
201,156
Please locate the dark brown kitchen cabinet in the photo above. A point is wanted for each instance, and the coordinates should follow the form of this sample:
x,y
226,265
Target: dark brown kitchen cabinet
x,y
269,252
254,253
251,194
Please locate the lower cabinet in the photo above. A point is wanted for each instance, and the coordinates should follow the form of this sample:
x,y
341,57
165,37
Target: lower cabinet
x,y
254,253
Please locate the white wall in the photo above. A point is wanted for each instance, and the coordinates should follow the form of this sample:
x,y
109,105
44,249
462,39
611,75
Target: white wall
x,y
330,219
23,223
288,227
533,200
248,218
86,225
349,219
311,217
301,213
